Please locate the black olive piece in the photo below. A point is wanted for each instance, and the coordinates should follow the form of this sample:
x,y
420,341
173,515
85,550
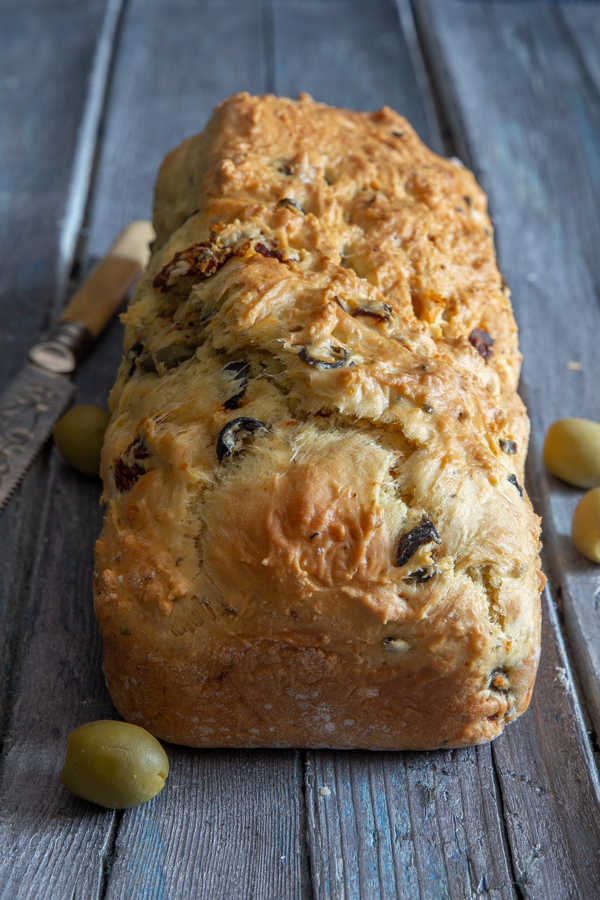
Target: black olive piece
x,y
427,408
228,435
423,533
240,371
290,202
398,133
373,314
324,363
174,354
420,576
146,364
513,480
499,681
133,353
483,343
507,446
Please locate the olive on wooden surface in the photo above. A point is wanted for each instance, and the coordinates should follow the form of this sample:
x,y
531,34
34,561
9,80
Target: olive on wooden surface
x,y
572,451
114,764
79,435
586,525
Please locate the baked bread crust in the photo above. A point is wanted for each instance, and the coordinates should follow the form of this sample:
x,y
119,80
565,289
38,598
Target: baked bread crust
x,y
315,531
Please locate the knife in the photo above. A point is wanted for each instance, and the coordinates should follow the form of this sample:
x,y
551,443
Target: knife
x,y
43,388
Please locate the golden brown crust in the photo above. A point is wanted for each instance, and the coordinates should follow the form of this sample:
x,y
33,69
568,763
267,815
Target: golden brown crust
x,y
320,368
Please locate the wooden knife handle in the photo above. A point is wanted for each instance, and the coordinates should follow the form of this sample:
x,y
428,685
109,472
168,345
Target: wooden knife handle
x,y
102,293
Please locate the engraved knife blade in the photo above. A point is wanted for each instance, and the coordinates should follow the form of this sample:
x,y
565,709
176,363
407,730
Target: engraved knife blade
x,y
43,389
28,410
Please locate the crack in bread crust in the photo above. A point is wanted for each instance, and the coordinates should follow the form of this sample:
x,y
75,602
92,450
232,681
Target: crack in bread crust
x,y
321,357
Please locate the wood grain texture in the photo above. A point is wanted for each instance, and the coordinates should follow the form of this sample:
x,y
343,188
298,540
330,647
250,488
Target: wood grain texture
x,y
582,23
46,52
524,117
581,27
51,843
348,54
176,60
226,825
418,825
549,785
45,58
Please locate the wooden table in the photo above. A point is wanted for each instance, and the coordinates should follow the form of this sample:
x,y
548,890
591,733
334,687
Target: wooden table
x,y
94,92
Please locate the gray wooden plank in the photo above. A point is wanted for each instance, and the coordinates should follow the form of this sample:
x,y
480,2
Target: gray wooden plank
x,y
51,843
549,785
349,54
228,824
582,22
46,54
418,825
524,116
45,60
176,61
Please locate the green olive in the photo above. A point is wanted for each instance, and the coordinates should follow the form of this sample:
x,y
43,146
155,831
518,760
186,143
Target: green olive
x,y
174,354
79,436
114,764
586,525
572,451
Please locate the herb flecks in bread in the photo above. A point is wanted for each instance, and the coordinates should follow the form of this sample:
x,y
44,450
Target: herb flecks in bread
x,y
322,544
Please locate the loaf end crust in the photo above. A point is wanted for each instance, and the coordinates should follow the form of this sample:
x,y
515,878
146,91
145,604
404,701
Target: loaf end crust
x,y
316,531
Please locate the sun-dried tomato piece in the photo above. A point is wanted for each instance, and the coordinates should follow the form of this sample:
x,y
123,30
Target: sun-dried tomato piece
x,y
200,260
483,342
423,533
138,448
265,251
126,476
499,681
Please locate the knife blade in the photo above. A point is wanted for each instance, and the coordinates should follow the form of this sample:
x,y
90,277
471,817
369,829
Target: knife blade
x,y
42,390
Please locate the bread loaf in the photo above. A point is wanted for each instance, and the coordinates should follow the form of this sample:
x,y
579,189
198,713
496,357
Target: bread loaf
x,y
316,530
